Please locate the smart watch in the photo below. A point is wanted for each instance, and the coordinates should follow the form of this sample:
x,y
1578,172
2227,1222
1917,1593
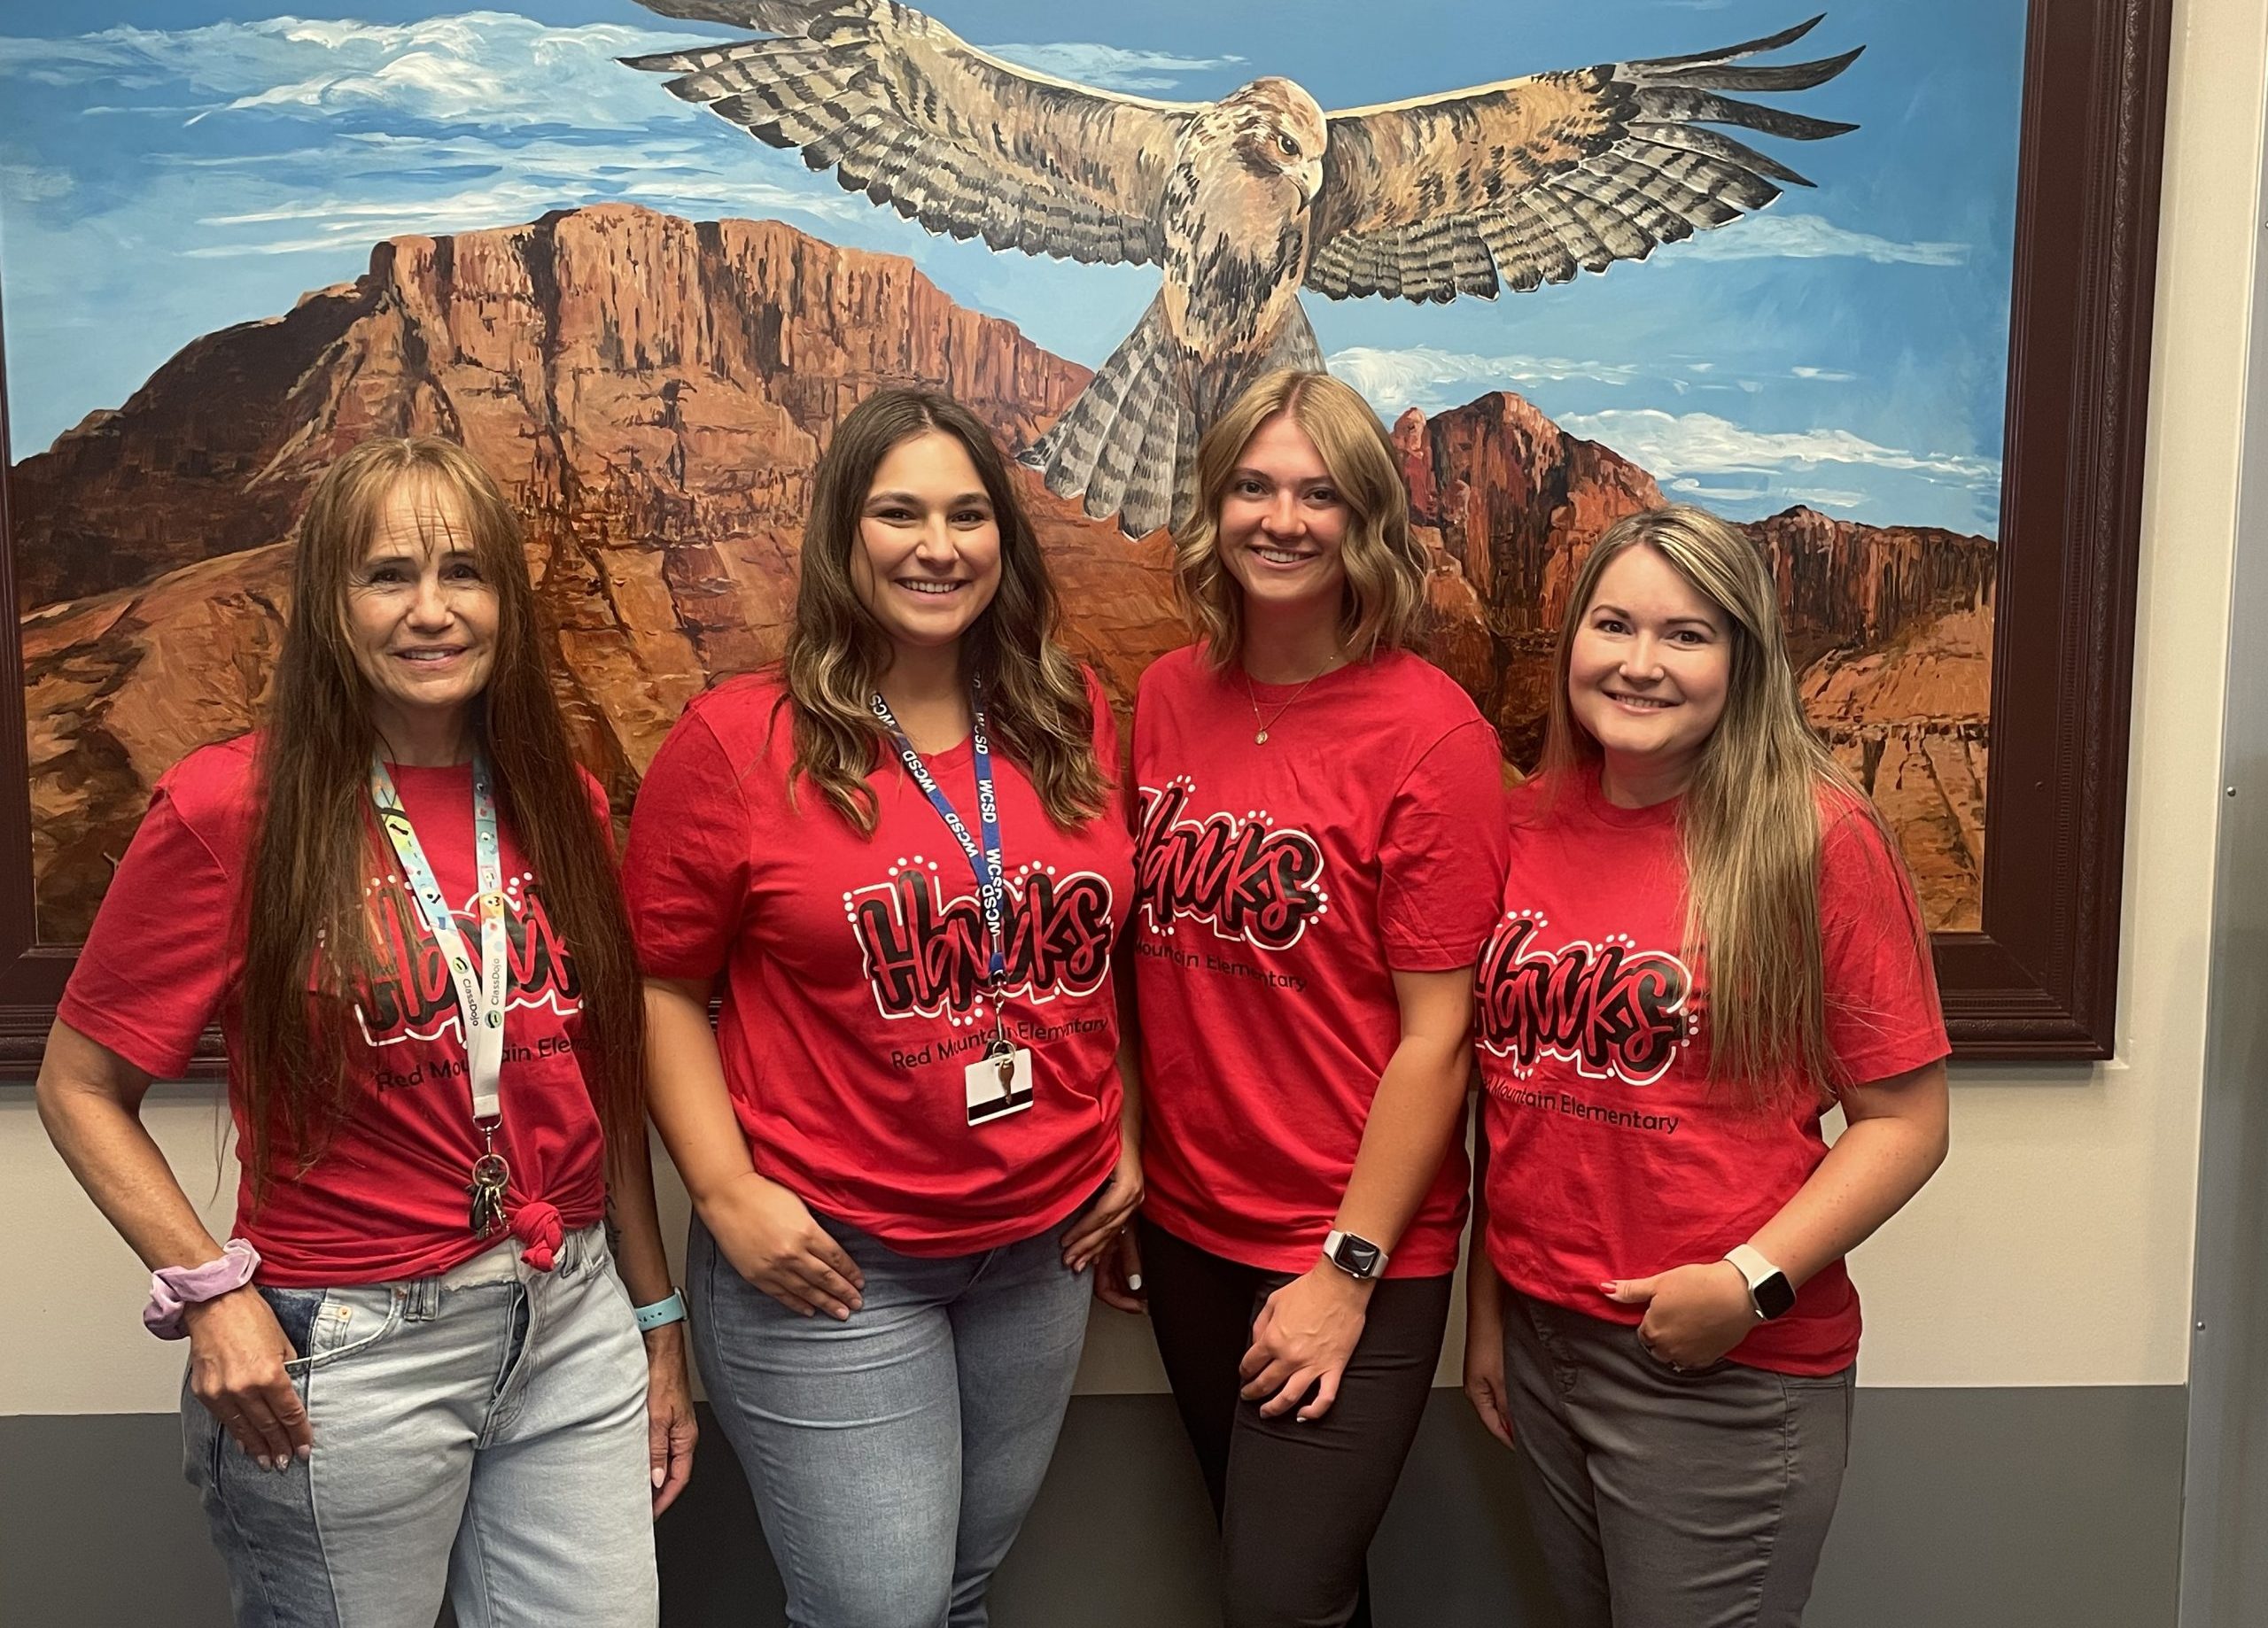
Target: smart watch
x,y
1355,1256
1769,1292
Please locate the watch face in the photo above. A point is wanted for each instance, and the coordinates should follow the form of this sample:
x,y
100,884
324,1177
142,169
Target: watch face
x,y
1357,1256
1773,1297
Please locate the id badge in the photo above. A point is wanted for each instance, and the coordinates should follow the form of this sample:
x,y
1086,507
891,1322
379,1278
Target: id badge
x,y
998,1084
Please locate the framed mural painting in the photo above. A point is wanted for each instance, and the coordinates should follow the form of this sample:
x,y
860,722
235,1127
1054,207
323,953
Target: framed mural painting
x,y
1875,285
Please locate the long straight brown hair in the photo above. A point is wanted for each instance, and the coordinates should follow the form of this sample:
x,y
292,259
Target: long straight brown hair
x,y
1035,699
306,926
1750,820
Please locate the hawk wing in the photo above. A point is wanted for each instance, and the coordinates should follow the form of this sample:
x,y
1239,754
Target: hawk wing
x,y
904,110
1528,180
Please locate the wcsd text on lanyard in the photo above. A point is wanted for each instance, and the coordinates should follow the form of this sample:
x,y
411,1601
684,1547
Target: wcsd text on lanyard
x,y
998,1084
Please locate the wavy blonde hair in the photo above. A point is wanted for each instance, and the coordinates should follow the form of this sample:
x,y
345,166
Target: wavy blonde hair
x,y
1384,604
1035,697
1750,820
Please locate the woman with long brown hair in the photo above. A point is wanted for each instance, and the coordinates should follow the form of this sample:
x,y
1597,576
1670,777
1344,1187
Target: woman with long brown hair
x,y
413,1370
1322,846
901,857
1708,939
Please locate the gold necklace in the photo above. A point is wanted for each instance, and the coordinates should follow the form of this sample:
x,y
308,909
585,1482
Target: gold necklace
x,y
1262,725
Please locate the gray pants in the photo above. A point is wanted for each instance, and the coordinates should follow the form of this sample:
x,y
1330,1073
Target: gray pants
x,y
1667,1500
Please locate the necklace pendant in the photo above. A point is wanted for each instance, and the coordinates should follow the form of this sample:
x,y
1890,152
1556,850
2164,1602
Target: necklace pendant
x,y
1261,739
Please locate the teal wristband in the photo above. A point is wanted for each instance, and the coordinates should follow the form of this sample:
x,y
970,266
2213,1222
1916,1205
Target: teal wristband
x,y
652,1317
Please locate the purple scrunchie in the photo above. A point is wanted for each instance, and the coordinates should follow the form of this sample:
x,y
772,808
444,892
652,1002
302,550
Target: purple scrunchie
x,y
173,1289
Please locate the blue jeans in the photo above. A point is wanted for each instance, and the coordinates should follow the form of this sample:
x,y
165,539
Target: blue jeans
x,y
893,1456
481,1433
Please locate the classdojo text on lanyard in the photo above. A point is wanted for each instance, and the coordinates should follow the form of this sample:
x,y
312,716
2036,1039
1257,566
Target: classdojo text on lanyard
x,y
480,999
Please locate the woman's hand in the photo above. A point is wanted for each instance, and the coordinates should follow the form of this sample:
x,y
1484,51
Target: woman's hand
x,y
1484,1351
237,1354
1303,1339
670,1429
1694,1313
1118,1276
1107,1218
770,1237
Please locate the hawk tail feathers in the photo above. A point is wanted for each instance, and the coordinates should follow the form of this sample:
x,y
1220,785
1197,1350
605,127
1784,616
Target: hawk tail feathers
x,y
1127,445
1104,448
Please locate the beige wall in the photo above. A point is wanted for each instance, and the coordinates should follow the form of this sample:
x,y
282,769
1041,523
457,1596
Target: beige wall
x,y
2055,1247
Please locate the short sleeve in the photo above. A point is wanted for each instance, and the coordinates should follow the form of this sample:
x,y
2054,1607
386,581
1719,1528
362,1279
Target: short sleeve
x,y
155,966
1443,853
1883,1015
601,809
1110,755
685,870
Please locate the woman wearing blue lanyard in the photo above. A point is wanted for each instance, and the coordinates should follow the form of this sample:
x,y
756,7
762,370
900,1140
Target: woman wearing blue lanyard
x,y
413,1370
901,859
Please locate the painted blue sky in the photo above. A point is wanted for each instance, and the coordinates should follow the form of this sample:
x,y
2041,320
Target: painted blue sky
x,y
166,169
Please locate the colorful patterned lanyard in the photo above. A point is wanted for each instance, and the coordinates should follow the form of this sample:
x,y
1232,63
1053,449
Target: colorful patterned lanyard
x,y
480,997
987,863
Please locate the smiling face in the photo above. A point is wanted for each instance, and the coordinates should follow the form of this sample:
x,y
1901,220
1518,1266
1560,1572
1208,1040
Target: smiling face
x,y
421,616
1283,521
926,559
1648,672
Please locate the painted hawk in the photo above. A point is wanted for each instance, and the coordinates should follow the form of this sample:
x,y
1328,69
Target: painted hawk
x,y
1245,201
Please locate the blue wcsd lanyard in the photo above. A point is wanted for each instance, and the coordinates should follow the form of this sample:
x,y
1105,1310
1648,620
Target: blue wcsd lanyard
x,y
987,863
480,998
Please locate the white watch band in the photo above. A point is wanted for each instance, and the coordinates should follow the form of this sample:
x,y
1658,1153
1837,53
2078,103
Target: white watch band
x,y
1331,1241
1750,1261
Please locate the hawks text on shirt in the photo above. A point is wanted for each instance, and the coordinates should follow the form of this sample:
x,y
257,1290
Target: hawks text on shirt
x,y
1280,887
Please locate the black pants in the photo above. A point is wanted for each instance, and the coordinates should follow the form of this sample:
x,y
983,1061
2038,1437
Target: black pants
x,y
1298,1504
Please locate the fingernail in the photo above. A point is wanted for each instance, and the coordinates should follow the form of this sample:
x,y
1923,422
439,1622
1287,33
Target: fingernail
x,y
1134,1282
658,1478
841,1313
306,1453
1606,1288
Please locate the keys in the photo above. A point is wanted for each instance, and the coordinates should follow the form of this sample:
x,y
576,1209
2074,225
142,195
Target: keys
x,y
490,1173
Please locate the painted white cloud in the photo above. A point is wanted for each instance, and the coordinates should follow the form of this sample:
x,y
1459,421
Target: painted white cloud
x,y
1703,444
1773,236
1824,497
1426,379
1109,67
1826,376
485,68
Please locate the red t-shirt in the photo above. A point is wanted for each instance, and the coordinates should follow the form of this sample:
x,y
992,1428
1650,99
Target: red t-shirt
x,y
1281,887
387,1198
1609,1154
852,963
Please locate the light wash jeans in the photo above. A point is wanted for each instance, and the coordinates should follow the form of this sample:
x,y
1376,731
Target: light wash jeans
x,y
893,1456
483,1432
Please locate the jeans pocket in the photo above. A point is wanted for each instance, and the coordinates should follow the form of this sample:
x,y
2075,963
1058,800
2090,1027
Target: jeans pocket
x,y
339,1323
297,1311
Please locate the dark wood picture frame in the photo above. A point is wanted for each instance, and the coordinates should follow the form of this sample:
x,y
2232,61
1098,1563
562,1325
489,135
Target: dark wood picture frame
x,y
2039,980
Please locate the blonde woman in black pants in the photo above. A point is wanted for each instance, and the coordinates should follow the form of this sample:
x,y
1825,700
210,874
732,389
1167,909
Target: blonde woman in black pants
x,y
1322,844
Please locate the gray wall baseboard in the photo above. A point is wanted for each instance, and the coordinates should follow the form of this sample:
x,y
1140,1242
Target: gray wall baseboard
x,y
2029,1508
